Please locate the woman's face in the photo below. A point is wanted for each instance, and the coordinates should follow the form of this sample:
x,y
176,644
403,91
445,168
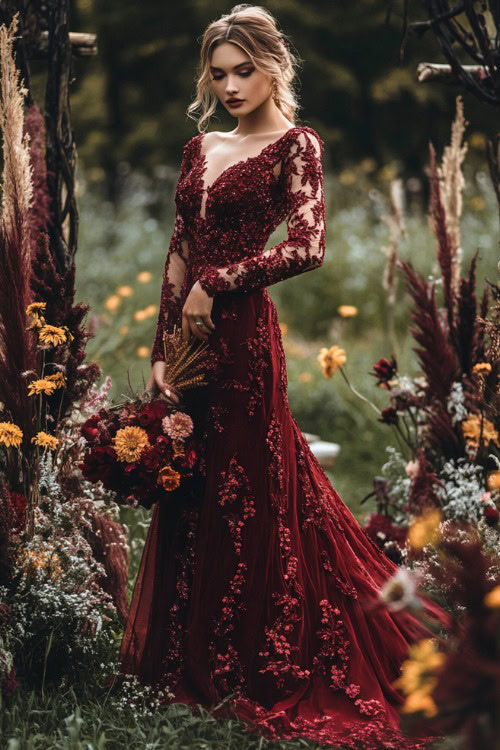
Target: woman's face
x,y
234,76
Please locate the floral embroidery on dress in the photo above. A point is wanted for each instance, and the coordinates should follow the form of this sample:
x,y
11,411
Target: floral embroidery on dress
x,y
259,351
174,660
265,505
274,441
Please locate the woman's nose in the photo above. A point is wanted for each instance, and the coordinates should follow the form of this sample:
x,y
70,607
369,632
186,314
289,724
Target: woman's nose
x,y
231,87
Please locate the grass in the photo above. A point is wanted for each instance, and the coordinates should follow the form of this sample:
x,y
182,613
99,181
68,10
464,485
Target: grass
x,y
83,718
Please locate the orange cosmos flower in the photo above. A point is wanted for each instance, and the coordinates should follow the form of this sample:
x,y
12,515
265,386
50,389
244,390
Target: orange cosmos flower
x,y
168,478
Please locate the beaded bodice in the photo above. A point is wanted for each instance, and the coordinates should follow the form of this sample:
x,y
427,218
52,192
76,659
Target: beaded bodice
x,y
221,229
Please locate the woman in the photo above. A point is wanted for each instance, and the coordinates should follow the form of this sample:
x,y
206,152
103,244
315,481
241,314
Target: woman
x,y
261,587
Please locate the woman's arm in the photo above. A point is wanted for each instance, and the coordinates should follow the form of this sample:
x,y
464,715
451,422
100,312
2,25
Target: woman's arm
x,y
170,313
304,247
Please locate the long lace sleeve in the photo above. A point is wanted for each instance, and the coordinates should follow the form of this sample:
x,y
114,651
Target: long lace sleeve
x,y
304,248
170,312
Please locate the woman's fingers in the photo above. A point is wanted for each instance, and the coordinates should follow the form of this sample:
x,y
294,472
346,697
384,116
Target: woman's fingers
x,y
171,397
208,322
186,328
201,332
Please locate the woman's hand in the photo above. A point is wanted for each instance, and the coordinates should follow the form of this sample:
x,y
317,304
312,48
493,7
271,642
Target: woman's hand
x,y
198,305
159,387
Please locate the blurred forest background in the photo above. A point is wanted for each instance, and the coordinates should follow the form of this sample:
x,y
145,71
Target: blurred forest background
x,y
128,114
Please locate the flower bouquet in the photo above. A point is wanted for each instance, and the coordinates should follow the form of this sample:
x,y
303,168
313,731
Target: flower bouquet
x,y
145,448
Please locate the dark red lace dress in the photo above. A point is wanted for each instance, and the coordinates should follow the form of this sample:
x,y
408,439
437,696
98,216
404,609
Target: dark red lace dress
x,y
259,588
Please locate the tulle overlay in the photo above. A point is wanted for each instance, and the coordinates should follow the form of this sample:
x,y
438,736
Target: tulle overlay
x,y
258,581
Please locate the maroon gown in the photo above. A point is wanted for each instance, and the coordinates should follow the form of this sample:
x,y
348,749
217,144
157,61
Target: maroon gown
x,y
261,586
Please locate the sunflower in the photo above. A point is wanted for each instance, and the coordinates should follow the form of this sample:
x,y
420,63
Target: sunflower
x,y
168,478
331,359
10,434
130,442
41,386
45,440
55,335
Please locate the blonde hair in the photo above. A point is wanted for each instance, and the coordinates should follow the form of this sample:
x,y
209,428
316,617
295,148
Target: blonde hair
x,y
255,30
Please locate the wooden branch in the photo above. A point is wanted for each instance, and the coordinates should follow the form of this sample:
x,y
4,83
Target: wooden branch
x,y
82,45
443,73
60,151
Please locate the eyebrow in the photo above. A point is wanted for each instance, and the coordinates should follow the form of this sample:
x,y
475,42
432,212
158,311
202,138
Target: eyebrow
x,y
247,62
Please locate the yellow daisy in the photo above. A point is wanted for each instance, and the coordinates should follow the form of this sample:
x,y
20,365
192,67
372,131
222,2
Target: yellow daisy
x,y
418,678
471,428
331,359
482,367
492,598
421,700
10,434
425,529
41,386
493,481
130,442
45,440
113,302
347,311
54,335
35,307
125,290
57,378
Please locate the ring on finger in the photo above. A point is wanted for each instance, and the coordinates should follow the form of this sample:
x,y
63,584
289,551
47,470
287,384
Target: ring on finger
x,y
199,322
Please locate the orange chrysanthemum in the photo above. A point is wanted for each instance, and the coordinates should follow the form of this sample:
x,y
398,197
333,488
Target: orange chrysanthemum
x,y
168,478
10,434
45,440
41,386
130,442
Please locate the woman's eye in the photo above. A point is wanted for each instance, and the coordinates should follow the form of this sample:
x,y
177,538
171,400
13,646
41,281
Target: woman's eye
x,y
244,73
